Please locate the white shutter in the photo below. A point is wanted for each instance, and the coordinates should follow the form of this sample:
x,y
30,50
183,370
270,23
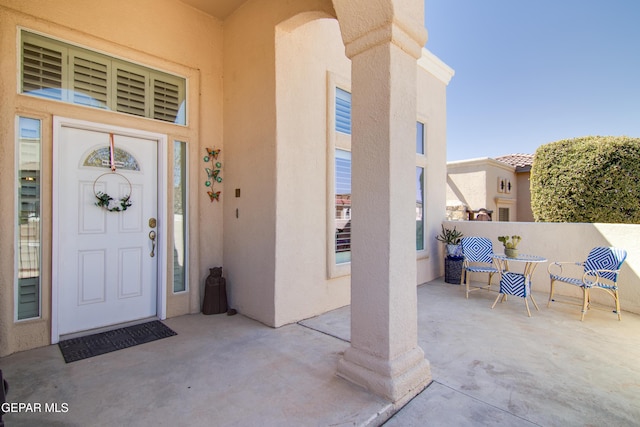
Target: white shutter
x,y
42,67
56,70
90,79
343,111
167,98
131,93
28,297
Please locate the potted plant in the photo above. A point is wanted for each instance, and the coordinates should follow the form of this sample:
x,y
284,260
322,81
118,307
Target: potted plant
x,y
454,259
510,244
451,238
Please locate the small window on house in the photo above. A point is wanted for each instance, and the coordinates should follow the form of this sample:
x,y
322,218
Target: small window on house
x,y
101,158
343,111
341,221
180,216
343,206
419,138
60,71
419,208
421,165
503,214
28,252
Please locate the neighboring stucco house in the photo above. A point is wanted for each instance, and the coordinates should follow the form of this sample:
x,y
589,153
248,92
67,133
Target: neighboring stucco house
x,y
131,100
499,186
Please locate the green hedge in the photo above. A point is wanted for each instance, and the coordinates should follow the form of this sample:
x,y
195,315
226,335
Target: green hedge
x,y
588,179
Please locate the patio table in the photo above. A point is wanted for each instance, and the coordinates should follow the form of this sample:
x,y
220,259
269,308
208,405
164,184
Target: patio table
x,y
514,283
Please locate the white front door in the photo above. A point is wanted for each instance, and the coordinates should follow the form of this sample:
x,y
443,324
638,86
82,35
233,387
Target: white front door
x,y
105,263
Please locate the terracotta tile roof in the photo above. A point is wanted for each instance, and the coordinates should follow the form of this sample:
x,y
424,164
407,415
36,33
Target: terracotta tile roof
x,y
517,160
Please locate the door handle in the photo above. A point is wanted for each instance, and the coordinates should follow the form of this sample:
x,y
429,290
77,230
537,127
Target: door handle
x,y
152,237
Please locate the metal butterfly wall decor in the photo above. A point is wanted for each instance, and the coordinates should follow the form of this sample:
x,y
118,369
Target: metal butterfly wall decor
x,y
213,172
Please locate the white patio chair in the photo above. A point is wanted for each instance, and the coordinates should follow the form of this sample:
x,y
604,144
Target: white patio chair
x,y
477,253
600,271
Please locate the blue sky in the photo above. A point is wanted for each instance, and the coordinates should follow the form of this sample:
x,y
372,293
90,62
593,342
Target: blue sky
x,y
530,72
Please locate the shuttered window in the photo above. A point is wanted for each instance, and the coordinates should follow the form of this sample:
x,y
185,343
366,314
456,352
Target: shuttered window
x,y
42,69
131,91
90,74
503,214
343,111
167,94
60,71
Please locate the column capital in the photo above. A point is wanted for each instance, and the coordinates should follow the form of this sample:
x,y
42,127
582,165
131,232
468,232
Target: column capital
x,y
365,24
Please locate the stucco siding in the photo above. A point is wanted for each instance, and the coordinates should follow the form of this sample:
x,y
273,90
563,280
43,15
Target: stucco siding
x,y
525,214
305,56
432,109
476,183
258,87
172,39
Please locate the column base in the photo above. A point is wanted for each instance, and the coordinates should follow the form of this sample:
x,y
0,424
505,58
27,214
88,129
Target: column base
x,y
397,380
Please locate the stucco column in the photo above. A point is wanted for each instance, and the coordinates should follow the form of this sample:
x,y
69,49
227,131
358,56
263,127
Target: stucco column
x,y
383,40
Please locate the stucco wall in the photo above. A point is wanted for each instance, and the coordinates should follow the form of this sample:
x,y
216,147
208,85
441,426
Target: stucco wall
x,y
569,242
309,59
249,114
258,81
525,214
305,55
432,79
173,39
468,186
276,139
251,135
475,183
498,171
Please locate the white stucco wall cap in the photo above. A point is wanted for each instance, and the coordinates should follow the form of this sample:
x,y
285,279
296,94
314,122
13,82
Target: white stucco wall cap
x,y
434,66
481,161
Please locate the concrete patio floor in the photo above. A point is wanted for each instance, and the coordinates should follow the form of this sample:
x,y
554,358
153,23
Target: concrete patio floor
x,y
490,367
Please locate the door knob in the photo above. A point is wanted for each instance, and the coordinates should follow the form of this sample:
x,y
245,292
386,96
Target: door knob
x,y
152,237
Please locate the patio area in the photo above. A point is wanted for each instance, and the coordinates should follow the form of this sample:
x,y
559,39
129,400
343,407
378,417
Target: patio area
x,y
489,367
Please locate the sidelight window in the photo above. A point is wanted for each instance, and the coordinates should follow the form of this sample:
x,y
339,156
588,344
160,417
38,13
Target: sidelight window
x,y
28,254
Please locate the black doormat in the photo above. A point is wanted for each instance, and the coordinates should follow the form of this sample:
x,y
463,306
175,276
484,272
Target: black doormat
x,y
75,349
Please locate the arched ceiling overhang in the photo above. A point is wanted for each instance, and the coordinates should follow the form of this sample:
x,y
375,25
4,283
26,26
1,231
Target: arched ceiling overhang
x,y
222,9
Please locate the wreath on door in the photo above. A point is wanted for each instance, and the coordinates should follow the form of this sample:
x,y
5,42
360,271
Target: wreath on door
x,y
105,201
